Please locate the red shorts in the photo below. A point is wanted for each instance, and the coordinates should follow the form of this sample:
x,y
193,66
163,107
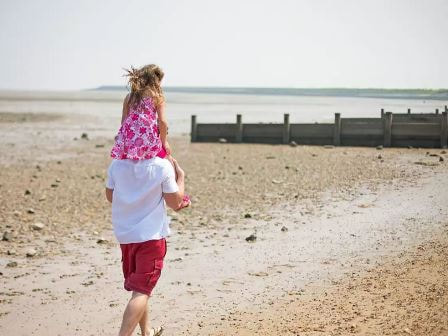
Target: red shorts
x,y
142,264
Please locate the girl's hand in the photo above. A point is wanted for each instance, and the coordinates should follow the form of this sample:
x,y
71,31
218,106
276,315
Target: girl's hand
x,y
167,147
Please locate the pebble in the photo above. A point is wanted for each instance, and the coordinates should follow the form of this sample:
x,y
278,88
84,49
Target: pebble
x,y
293,144
31,253
248,215
379,147
441,159
252,238
31,211
85,136
54,185
27,192
37,226
222,140
17,213
101,241
284,229
6,236
99,146
12,264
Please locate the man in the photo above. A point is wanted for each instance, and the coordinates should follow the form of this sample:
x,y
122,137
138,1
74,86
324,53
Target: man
x,y
138,191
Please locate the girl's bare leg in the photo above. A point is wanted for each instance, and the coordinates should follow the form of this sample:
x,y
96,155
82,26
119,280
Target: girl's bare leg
x,y
143,322
133,313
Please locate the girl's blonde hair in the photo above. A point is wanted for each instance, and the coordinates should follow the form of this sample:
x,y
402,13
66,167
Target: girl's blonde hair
x,y
147,80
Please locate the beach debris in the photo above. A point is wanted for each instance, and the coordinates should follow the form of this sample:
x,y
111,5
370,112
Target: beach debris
x,y
85,136
380,147
328,146
284,229
379,156
258,274
313,154
37,226
427,164
27,192
31,253
441,159
87,283
247,215
240,168
101,240
177,259
58,162
54,185
270,157
252,238
6,236
222,140
277,181
31,211
99,146
12,264
293,144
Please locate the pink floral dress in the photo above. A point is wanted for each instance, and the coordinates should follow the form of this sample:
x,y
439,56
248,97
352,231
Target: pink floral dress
x,y
138,137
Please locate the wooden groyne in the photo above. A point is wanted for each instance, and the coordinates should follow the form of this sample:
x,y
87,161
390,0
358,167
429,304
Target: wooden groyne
x,y
388,130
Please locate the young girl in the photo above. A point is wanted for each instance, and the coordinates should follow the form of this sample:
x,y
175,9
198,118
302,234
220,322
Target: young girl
x,y
144,129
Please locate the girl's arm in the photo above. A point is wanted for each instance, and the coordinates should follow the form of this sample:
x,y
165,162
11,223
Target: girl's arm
x,y
163,127
125,108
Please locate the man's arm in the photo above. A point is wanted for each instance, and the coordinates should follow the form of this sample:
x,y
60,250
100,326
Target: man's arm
x,y
174,200
109,194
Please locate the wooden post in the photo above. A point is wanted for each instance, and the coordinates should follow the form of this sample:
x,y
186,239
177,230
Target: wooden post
x,y
286,129
387,130
382,113
239,129
194,129
337,129
446,108
437,111
409,111
444,130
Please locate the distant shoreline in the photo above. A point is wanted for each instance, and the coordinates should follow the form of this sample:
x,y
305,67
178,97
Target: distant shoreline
x,y
436,94
113,93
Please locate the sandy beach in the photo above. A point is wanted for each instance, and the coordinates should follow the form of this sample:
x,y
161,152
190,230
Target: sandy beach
x,y
343,240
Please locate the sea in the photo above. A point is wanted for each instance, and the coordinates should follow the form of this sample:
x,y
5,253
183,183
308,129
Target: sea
x,y
101,107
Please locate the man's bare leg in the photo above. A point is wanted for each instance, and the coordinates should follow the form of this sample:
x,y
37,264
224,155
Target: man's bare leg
x,y
133,313
143,322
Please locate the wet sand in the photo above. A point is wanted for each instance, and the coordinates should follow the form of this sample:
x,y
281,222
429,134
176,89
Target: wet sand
x,y
333,227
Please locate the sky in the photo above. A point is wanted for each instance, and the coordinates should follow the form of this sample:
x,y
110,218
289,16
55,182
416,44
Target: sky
x,y
71,45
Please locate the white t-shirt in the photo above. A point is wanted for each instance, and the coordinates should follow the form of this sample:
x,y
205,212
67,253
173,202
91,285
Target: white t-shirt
x,y
138,207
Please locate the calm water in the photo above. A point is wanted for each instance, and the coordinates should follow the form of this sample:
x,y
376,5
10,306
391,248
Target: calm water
x,y
101,111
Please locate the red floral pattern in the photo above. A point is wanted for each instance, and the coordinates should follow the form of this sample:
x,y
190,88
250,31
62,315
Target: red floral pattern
x,y
138,137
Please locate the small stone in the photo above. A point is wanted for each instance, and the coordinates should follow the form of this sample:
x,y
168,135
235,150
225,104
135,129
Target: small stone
x,y
59,162
443,152
248,215
284,229
6,236
252,238
95,233
380,147
54,185
222,140
27,192
380,157
85,136
58,180
37,226
293,144
30,211
410,147
441,159
12,264
11,252
17,213
101,240
99,146
31,253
